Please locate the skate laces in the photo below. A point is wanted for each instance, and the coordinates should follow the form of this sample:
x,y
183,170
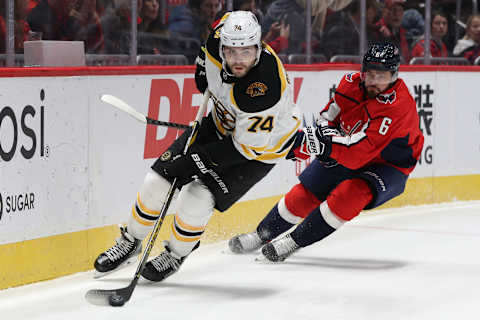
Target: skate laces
x,y
123,246
120,249
285,246
165,261
250,241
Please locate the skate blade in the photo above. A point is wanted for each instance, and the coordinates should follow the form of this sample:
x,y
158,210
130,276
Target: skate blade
x,y
261,259
98,275
246,253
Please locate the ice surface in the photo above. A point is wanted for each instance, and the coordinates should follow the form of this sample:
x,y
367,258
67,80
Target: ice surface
x,y
410,263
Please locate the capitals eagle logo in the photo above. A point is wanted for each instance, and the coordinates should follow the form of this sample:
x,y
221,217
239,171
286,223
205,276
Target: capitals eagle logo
x,y
387,98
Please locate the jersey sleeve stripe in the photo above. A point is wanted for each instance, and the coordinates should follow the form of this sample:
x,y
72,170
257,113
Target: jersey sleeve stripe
x,y
280,150
281,71
332,112
353,139
232,97
218,124
213,60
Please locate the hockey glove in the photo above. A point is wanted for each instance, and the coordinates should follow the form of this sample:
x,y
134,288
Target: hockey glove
x,y
311,142
195,163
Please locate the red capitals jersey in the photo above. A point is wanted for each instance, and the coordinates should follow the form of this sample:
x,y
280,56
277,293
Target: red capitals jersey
x,y
384,129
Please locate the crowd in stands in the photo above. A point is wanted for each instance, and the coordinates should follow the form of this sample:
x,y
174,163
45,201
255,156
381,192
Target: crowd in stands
x,y
180,27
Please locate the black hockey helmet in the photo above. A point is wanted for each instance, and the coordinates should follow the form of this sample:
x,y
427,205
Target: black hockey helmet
x,y
383,56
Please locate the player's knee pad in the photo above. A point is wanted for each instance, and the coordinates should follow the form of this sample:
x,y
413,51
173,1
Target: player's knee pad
x,y
148,204
349,198
195,206
386,183
299,202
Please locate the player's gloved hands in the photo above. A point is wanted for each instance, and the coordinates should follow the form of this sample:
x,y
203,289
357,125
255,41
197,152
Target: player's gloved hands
x,y
311,141
195,163
296,152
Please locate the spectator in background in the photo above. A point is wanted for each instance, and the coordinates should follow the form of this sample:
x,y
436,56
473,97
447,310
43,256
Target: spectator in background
x,y
194,20
293,13
469,46
342,29
116,26
153,35
21,27
279,32
248,5
83,24
390,29
151,19
439,30
414,26
31,4
46,17
278,35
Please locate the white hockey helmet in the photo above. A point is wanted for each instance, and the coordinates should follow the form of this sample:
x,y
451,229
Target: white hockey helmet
x,y
241,29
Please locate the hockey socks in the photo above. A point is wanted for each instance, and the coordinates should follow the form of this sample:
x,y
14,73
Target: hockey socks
x,y
314,228
273,225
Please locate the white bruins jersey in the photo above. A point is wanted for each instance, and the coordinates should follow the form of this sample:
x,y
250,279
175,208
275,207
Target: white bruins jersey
x,y
257,110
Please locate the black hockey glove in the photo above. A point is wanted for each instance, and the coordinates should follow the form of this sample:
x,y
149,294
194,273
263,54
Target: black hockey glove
x,y
195,163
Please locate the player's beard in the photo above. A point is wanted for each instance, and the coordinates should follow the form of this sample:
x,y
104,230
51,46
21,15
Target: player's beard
x,y
372,91
241,72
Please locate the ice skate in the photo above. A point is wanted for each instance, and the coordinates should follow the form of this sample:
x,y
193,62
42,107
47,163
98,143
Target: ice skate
x,y
163,266
123,253
245,242
280,249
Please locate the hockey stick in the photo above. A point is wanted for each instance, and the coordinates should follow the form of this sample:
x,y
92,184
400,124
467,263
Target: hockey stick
x,y
118,297
122,105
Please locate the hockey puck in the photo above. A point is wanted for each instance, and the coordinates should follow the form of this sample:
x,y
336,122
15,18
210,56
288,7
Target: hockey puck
x,y
116,301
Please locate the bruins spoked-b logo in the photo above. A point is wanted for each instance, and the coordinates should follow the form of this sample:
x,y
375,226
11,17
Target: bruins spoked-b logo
x,y
257,89
166,156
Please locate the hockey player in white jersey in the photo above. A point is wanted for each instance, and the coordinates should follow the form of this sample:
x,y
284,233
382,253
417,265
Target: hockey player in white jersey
x,y
251,126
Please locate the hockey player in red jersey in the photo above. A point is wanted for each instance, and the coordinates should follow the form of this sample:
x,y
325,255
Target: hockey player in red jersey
x,y
366,142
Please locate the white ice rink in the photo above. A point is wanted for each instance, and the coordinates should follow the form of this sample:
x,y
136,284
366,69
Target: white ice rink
x,y
411,263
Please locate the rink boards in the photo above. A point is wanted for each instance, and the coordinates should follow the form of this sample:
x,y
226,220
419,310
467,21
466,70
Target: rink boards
x,y
70,165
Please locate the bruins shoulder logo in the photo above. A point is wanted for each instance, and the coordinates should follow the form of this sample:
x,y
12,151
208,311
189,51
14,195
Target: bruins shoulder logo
x,y
166,156
257,89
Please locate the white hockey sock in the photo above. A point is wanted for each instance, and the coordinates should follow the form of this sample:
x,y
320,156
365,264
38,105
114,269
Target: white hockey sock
x,y
195,207
148,204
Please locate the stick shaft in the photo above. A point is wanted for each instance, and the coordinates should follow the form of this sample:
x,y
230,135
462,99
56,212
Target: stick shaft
x,y
102,296
125,107
171,191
